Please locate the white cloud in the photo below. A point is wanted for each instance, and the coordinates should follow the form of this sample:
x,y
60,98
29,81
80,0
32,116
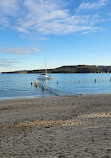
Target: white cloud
x,y
92,5
44,17
7,62
19,50
9,7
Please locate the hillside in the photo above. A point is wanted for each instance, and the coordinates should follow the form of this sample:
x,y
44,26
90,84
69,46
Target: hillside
x,y
70,69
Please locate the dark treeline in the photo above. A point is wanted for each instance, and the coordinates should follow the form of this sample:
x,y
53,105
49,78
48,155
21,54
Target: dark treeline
x,y
71,69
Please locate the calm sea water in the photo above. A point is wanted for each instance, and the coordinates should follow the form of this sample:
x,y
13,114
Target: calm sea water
x,y
19,85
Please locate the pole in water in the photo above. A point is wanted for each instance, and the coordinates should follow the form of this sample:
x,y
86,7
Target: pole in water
x,y
78,80
95,80
57,81
110,79
31,83
43,87
36,84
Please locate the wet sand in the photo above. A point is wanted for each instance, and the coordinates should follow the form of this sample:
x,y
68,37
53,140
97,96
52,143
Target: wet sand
x,y
56,127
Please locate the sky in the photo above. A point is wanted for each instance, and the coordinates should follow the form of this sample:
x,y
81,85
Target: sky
x,y
65,32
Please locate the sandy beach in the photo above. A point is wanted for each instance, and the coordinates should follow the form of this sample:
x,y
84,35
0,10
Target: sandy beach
x,y
56,127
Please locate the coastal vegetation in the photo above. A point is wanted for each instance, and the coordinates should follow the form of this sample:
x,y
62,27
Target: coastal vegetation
x,y
71,69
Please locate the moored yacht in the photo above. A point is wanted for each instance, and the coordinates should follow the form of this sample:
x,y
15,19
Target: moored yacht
x,y
44,75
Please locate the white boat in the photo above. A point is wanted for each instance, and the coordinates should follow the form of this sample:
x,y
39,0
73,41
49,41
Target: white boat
x,y
44,75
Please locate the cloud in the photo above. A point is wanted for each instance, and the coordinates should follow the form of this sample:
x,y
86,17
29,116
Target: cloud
x,y
7,62
92,5
9,7
19,50
45,17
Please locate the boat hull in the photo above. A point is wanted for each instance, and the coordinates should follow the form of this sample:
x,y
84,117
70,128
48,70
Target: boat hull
x,y
44,77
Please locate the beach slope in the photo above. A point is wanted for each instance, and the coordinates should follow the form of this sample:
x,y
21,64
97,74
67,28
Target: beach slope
x,y
56,127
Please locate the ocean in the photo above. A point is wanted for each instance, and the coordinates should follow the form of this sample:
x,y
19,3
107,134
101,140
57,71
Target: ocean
x,y
19,85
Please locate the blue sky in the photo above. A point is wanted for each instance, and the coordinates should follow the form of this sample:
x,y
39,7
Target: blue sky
x,y
66,32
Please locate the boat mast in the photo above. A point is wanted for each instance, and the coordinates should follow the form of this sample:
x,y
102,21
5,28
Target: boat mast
x,y
45,66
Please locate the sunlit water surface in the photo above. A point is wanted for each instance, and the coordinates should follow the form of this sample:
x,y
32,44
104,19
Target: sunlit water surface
x,y
19,85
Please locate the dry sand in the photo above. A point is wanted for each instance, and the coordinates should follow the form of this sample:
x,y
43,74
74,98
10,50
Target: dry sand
x,y
56,127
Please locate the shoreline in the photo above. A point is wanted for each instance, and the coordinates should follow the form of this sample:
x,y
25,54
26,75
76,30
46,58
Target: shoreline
x,y
56,127
28,97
